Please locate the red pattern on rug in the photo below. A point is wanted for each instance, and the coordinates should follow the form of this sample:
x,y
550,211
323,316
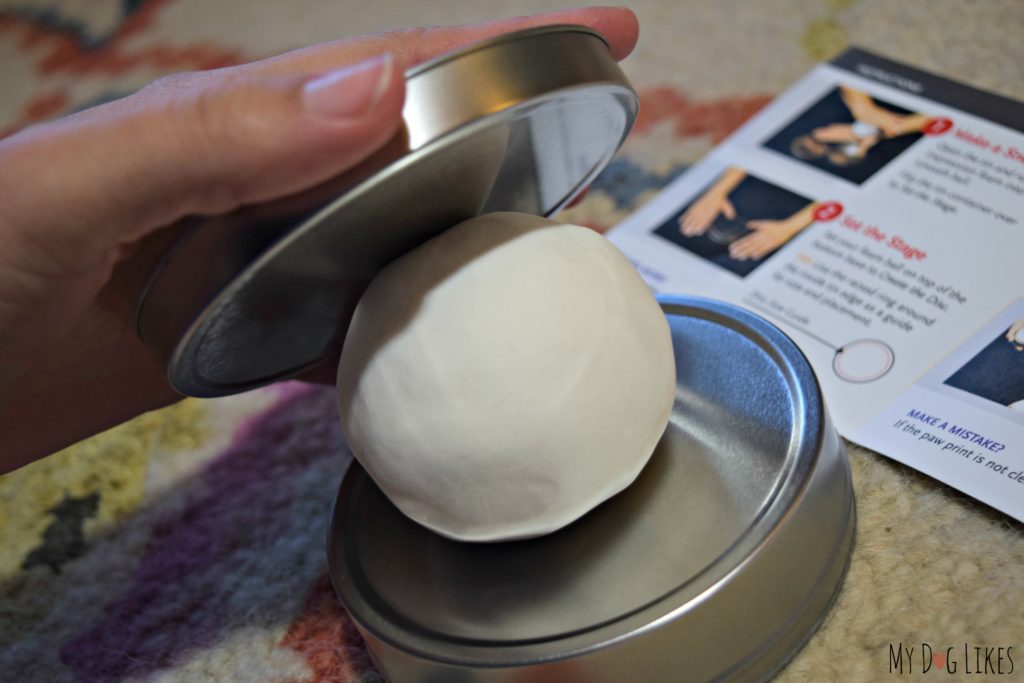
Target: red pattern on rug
x,y
326,637
61,52
55,51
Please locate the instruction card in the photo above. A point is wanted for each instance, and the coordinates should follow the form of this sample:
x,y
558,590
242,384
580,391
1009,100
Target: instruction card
x,y
875,213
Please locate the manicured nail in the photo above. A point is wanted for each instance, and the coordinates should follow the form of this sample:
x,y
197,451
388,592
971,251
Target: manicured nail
x,y
349,93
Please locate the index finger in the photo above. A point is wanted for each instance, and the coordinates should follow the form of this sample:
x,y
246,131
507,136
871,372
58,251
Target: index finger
x,y
410,47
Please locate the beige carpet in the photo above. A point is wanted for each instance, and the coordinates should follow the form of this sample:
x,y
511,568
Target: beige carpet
x,y
187,545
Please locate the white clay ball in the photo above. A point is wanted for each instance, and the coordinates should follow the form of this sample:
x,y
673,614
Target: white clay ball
x,y
505,377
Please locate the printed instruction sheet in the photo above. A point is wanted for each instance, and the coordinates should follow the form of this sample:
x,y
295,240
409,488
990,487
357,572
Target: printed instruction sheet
x,y
875,213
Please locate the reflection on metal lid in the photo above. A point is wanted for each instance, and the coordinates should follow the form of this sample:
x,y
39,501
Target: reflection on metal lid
x,y
521,123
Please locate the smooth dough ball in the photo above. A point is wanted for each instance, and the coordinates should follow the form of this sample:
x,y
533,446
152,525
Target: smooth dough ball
x,y
505,377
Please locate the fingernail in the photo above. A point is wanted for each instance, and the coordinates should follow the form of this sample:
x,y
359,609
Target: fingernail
x,y
349,93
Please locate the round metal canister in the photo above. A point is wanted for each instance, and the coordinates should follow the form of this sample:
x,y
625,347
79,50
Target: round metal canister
x,y
522,122
717,563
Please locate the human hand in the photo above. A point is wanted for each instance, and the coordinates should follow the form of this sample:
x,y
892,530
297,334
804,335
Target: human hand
x,y
858,102
835,132
767,236
1015,329
703,212
866,110
904,124
879,117
892,124
85,197
849,142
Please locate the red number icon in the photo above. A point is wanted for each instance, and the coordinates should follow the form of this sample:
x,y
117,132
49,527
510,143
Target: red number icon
x,y
827,211
937,126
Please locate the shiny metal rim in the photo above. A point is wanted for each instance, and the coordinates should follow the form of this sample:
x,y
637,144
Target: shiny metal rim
x,y
445,126
801,623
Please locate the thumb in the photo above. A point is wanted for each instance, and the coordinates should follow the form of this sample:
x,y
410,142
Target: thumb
x,y
728,209
202,143
758,224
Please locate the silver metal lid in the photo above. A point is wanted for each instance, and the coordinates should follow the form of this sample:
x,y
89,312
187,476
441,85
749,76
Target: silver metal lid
x,y
522,123
718,562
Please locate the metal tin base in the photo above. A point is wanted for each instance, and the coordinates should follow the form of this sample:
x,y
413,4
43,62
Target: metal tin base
x,y
717,563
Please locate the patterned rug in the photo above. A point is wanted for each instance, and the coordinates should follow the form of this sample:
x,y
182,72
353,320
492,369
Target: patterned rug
x,y
188,544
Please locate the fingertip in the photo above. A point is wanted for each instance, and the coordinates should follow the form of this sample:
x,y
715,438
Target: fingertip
x,y
372,90
619,25
348,115
258,138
